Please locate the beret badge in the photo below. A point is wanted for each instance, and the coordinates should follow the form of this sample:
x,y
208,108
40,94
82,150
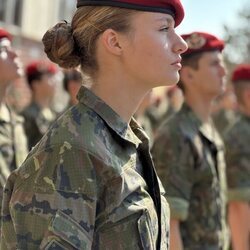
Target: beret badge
x,y
195,41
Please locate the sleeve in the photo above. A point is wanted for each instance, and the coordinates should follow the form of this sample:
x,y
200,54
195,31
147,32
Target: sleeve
x,y
174,164
53,203
238,166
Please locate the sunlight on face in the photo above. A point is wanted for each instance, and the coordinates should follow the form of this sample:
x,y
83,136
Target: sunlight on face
x,y
211,73
10,66
152,56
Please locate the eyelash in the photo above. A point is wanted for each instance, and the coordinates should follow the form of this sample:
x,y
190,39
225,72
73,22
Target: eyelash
x,y
165,29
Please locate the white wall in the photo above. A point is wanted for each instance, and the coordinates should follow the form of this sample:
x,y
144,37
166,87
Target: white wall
x,y
38,16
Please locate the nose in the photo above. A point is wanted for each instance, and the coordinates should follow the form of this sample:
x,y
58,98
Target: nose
x,y
222,70
12,53
180,45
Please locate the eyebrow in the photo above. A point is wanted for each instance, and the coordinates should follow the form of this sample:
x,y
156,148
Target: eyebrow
x,y
165,19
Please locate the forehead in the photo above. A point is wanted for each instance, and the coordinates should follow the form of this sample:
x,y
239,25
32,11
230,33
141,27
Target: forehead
x,y
152,18
4,42
212,55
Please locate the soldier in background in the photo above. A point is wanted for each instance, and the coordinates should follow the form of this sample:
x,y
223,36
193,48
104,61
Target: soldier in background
x,y
237,139
72,82
142,118
189,154
164,106
38,115
13,143
156,111
225,111
175,100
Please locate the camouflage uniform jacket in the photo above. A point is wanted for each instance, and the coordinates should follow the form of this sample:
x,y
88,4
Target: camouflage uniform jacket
x,y
237,139
13,144
189,159
223,119
37,122
88,184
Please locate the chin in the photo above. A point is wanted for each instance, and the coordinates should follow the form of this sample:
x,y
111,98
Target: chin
x,y
173,80
167,80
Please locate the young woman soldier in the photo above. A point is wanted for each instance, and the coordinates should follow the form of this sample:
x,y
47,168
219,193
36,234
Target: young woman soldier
x,y
90,182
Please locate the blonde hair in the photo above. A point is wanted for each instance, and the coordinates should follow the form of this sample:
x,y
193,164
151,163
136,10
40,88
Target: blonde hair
x,y
71,45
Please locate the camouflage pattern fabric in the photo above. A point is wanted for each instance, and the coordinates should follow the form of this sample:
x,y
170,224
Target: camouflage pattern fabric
x,y
237,140
37,122
145,123
189,159
88,184
223,119
13,144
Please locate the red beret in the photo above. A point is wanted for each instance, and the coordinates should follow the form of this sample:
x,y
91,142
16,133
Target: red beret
x,y
5,34
40,67
242,72
172,7
201,42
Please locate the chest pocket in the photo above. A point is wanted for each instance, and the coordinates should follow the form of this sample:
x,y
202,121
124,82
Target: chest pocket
x,y
65,233
134,232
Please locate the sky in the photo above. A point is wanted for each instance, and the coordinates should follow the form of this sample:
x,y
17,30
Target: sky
x,y
210,15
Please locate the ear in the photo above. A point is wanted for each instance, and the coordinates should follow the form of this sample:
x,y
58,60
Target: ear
x,y
246,94
112,41
35,85
187,74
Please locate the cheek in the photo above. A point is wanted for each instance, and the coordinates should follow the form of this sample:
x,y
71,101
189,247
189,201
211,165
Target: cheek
x,y
3,56
7,67
76,89
153,48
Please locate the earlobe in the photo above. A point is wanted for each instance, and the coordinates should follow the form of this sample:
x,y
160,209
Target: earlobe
x,y
110,40
186,74
247,95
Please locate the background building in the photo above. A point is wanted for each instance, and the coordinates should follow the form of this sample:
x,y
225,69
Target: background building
x,y
27,21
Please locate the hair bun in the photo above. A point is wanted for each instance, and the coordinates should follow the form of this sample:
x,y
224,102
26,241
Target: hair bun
x,y
59,45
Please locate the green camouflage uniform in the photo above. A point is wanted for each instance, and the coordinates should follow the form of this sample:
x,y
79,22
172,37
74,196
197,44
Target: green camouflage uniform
x,y
189,159
145,123
88,184
13,144
237,139
223,119
37,122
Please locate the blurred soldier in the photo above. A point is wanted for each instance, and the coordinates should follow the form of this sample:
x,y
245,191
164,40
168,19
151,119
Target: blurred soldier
x,y
38,115
175,100
225,114
13,143
142,118
237,139
189,154
72,82
155,112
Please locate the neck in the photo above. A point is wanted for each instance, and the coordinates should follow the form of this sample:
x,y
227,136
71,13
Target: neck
x,y
3,89
244,110
120,94
41,101
201,106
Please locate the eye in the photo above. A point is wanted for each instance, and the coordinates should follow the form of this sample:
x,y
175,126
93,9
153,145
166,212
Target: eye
x,y
3,49
164,29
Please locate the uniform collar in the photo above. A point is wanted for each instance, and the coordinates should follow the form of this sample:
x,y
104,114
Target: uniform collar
x,y
207,129
4,113
245,117
112,119
8,116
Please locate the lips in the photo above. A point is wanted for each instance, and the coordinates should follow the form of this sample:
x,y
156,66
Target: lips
x,y
178,61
